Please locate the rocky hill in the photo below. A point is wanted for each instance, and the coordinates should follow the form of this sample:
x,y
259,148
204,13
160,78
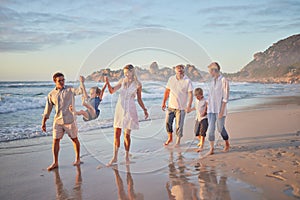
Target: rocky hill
x,y
280,63
151,73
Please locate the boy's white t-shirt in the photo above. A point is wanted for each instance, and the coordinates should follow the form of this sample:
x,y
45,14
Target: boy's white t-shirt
x,y
200,108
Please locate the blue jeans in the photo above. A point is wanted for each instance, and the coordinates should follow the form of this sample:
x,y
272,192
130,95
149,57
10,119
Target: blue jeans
x,y
213,120
179,115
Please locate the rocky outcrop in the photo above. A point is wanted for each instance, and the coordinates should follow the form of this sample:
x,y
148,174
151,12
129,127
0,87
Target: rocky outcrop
x,y
280,63
152,73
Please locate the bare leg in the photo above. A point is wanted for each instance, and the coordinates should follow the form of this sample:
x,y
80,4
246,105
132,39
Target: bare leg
x,y
127,142
202,139
170,138
90,108
227,146
76,146
84,113
55,150
199,144
117,136
177,144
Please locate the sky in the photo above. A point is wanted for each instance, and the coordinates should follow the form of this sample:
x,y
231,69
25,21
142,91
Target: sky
x,y
40,37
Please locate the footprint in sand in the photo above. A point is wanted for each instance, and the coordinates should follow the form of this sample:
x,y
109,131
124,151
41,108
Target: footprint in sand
x,y
277,175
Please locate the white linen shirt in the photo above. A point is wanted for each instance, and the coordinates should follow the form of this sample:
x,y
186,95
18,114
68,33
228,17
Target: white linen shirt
x,y
200,106
218,93
179,92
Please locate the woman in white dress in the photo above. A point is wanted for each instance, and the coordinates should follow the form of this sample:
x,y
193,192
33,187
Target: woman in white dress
x,y
125,113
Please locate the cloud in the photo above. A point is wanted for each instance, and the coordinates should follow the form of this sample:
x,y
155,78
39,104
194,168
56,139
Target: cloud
x,y
262,17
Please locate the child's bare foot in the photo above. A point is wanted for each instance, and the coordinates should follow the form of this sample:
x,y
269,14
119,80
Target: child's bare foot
x,y
168,141
52,166
77,162
200,148
112,162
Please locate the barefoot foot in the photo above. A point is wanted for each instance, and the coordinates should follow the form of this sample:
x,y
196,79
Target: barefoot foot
x,y
226,148
77,162
52,166
113,161
168,142
200,148
211,152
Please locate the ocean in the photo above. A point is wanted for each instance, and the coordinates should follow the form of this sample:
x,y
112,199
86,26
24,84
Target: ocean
x,y
22,104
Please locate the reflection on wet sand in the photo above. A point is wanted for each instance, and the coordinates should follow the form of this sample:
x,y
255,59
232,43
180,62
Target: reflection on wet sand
x,y
179,183
183,185
209,185
61,192
130,186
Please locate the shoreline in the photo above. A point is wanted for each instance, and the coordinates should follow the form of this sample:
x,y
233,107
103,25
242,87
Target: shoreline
x,y
263,162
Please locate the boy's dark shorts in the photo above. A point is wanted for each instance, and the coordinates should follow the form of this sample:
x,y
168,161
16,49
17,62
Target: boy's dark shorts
x,y
201,127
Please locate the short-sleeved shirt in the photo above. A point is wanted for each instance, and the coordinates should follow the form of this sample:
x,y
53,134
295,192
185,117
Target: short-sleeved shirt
x,y
179,92
200,106
95,103
218,93
61,99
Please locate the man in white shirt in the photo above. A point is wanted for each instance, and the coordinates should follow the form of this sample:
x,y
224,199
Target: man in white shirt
x,y
179,91
217,106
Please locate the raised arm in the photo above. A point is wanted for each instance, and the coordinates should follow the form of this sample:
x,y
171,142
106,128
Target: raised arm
x,y
140,101
166,96
112,89
102,90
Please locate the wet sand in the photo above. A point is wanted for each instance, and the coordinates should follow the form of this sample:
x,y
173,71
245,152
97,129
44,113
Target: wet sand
x,y
263,163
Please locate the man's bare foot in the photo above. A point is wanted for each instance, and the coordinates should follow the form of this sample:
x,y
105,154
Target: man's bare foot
x,y
226,148
52,166
112,162
211,152
77,162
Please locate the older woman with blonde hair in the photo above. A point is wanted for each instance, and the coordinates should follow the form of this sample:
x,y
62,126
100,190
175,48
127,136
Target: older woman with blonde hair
x,y
126,116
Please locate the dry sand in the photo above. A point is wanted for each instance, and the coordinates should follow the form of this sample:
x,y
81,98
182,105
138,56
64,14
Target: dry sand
x,y
263,163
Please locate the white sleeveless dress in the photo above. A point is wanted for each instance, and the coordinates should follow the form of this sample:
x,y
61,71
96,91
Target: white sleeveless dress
x,y
126,116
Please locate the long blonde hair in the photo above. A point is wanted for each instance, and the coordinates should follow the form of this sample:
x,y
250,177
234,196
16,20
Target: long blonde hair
x,y
131,68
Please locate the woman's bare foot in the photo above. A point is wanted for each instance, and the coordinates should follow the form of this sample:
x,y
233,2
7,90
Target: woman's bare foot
x,y
77,162
52,166
112,162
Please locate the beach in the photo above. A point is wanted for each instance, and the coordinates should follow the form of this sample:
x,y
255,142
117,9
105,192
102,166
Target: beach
x,y
263,162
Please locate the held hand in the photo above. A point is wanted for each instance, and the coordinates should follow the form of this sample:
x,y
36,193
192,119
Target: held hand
x,y
106,80
220,115
44,127
81,79
188,110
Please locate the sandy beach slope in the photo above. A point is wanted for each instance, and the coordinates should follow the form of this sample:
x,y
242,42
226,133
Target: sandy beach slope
x,y
263,163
